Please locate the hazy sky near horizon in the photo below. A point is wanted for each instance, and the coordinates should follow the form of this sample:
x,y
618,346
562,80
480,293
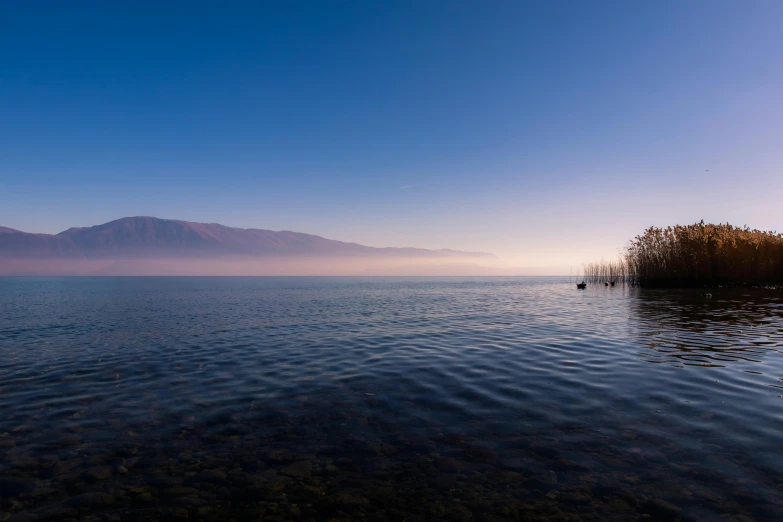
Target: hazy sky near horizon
x,y
549,133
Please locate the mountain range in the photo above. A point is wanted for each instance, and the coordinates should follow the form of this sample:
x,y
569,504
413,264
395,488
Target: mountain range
x,y
145,236
144,245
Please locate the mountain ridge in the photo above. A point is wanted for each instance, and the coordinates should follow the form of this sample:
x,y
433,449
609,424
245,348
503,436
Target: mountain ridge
x,y
144,236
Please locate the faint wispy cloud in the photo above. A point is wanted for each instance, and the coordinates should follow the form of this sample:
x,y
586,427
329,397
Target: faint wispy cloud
x,y
408,186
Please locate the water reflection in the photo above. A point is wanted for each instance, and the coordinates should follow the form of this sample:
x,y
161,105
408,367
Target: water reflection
x,y
687,328
398,399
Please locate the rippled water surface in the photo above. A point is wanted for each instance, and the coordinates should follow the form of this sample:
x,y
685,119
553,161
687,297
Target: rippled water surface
x,y
387,399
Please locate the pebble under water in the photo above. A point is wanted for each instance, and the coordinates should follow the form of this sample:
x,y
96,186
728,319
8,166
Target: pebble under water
x,y
387,399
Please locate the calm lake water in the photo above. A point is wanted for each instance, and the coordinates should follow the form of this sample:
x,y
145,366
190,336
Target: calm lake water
x,y
387,399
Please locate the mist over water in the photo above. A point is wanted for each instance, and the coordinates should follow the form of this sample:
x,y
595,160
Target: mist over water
x,y
388,399
268,265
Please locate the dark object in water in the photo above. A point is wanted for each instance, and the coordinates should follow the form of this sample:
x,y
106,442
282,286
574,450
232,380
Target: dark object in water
x,y
606,284
581,285
612,283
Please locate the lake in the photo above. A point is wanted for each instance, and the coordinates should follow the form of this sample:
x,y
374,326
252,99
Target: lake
x,y
387,399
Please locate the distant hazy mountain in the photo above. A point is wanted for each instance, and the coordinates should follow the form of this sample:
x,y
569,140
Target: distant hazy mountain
x,y
149,237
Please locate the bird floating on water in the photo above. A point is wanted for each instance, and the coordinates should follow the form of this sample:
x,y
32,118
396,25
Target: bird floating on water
x,y
581,285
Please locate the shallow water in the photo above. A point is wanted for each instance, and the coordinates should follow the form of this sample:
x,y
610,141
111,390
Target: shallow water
x,y
387,399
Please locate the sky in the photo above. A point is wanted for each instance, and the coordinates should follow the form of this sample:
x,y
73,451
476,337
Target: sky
x,y
548,133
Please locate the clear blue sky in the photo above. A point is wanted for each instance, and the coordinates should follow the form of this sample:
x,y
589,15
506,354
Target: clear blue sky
x,y
546,132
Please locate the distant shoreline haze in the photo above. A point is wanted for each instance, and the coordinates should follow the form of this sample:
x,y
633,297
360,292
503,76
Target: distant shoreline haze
x,y
154,246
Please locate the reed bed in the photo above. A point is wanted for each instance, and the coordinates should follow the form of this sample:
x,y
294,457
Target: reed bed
x,y
699,255
607,272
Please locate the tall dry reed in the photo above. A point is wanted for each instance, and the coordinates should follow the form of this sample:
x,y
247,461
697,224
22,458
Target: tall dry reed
x,y
607,272
705,255
696,255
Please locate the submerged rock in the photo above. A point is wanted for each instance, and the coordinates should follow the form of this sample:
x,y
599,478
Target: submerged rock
x,y
12,487
24,517
92,499
301,469
98,473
